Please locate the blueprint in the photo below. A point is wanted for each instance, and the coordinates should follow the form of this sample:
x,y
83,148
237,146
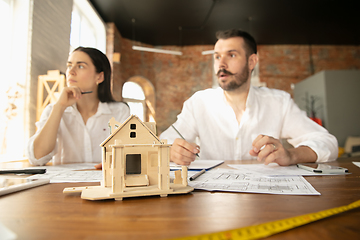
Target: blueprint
x,y
274,169
79,172
235,180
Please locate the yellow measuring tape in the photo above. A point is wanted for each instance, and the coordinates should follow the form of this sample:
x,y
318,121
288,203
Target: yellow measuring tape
x,y
271,228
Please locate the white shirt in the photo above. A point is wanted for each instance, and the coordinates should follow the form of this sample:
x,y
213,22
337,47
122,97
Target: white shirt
x,y
206,117
77,142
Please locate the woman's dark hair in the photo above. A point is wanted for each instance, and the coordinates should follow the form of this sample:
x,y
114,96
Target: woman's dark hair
x,y
102,64
250,43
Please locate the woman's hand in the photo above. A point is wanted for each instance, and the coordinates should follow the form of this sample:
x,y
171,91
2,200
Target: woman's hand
x,y
69,96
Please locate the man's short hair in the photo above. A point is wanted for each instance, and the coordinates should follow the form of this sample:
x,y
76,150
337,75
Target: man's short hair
x,y
250,43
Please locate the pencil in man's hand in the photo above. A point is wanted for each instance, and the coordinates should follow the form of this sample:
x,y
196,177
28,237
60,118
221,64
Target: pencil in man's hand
x,y
182,137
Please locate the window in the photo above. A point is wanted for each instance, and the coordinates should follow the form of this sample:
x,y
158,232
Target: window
x,y
5,49
87,28
139,93
5,29
134,95
14,28
5,43
133,164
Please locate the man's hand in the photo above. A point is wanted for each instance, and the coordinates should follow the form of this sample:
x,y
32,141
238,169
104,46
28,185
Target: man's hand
x,y
268,150
183,152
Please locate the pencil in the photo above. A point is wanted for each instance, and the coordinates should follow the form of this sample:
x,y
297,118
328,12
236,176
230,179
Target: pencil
x,y
182,137
196,175
86,92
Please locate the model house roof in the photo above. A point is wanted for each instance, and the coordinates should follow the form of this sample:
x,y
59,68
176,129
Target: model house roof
x,y
128,122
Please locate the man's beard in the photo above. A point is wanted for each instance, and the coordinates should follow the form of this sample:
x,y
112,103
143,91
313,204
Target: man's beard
x,y
236,83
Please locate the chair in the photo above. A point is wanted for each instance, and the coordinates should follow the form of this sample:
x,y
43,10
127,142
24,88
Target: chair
x,y
49,88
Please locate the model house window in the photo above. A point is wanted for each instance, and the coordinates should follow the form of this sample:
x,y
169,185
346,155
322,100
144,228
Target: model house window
x,y
133,164
87,28
133,94
132,134
132,126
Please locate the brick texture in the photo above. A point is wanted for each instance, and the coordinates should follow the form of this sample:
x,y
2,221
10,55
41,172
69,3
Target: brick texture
x,y
282,65
176,78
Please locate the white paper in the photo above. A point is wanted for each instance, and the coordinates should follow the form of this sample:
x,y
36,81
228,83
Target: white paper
x,y
356,163
71,166
5,233
273,169
235,180
198,165
70,176
70,173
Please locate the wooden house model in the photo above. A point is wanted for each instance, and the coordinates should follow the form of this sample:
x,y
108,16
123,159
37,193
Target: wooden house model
x,y
135,162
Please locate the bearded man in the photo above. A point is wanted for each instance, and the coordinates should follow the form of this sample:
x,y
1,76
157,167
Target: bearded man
x,y
238,121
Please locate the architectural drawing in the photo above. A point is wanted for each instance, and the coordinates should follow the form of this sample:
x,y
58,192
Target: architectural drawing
x,y
241,181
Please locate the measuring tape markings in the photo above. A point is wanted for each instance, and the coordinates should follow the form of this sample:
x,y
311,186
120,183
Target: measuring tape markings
x,y
271,228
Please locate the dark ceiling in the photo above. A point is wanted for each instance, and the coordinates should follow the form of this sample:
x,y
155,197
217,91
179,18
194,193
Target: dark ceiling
x,y
194,22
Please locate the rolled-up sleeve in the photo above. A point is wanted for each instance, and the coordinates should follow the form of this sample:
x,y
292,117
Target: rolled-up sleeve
x,y
302,131
30,145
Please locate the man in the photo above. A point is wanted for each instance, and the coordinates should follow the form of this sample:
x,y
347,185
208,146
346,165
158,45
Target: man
x,y
238,121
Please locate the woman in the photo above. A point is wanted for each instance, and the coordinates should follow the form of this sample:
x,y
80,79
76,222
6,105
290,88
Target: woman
x,y
71,130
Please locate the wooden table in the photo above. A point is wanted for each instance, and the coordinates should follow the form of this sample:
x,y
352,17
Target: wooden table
x,y
46,213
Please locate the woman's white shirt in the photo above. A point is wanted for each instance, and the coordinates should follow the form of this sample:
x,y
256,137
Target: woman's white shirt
x,y
78,142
